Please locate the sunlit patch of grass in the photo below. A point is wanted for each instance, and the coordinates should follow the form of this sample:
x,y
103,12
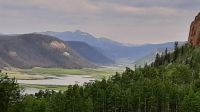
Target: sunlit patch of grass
x,y
22,76
97,72
45,87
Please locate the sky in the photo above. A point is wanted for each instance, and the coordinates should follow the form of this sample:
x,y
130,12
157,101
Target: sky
x,y
127,21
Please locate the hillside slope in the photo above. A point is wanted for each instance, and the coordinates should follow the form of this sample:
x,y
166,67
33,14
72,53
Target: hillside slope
x,y
89,53
36,50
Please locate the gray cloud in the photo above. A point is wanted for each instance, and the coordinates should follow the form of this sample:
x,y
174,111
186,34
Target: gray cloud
x,y
130,21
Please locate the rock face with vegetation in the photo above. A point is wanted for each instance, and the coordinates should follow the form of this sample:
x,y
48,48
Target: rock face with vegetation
x,y
194,34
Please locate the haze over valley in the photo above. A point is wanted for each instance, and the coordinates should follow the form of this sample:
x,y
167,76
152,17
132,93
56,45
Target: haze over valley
x,y
74,53
99,56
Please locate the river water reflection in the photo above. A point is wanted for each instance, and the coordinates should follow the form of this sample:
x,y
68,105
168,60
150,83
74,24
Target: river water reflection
x,y
64,80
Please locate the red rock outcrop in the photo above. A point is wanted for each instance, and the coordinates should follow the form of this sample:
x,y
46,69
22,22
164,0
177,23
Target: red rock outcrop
x,y
194,34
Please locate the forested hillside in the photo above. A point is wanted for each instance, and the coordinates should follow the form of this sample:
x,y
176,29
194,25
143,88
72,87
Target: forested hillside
x,y
170,84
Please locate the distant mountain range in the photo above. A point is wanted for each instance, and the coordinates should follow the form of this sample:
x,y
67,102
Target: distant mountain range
x,y
70,50
111,49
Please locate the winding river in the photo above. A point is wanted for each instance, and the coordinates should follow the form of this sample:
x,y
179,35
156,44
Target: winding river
x,y
64,80
59,81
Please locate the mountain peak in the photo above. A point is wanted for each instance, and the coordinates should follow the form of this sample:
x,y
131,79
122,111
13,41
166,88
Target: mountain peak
x,y
78,31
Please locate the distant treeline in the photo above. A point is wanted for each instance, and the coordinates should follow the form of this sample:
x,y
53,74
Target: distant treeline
x,y
170,84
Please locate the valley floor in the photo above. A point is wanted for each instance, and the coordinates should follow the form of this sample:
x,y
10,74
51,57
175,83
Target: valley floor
x,y
35,79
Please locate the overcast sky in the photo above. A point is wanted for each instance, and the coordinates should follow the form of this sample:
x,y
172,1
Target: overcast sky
x,y
128,21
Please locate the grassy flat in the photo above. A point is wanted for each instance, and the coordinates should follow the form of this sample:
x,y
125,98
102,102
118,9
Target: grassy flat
x,y
42,73
45,87
38,73
98,72
22,76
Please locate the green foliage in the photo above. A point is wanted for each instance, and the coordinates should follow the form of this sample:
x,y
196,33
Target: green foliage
x,y
170,84
191,103
9,92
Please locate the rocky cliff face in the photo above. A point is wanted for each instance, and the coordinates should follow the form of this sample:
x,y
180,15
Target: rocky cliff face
x,y
194,35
